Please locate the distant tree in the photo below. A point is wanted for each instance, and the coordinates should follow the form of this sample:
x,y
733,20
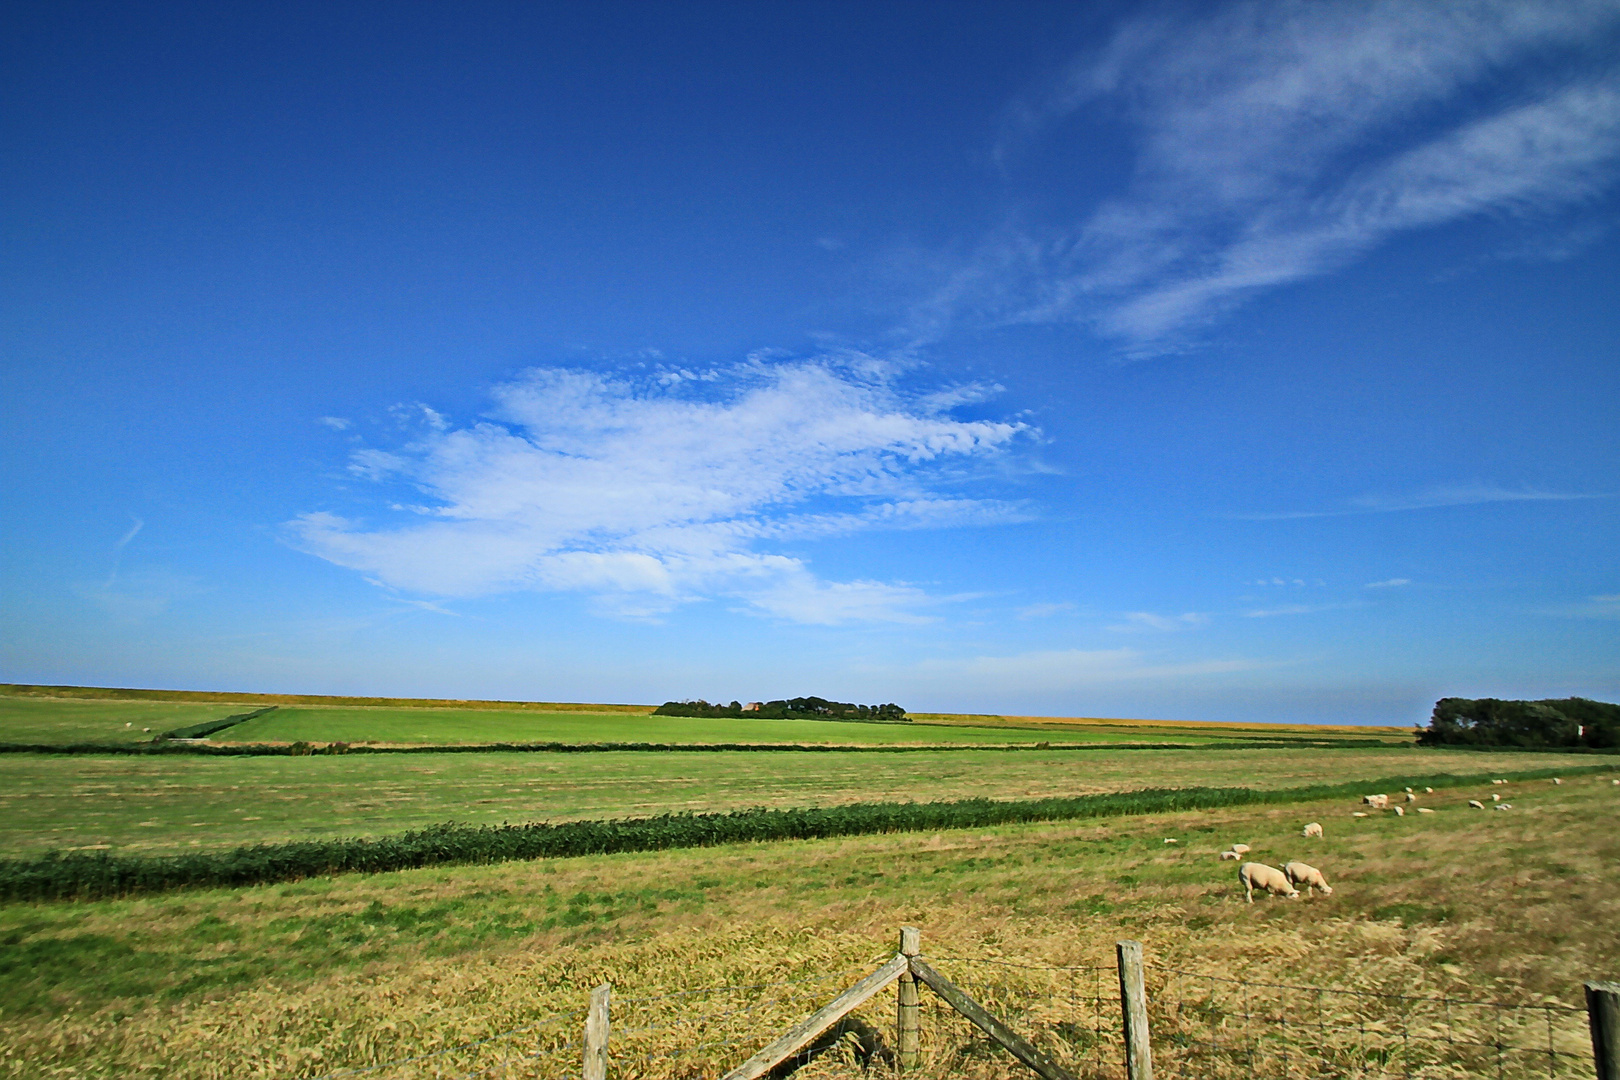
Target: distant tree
x,y
1492,722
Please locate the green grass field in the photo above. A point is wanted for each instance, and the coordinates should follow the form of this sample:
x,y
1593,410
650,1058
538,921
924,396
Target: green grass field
x,y
300,979
165,804
296,980
55,722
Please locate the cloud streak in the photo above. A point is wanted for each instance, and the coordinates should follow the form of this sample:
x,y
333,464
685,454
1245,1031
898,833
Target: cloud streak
x,y
1428,499
647,493
1280,141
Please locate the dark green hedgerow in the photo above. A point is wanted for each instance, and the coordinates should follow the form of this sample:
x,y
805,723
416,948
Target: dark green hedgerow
x,y
88,876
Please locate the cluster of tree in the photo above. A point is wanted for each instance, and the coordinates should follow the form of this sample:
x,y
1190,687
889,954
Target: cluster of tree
x,y
1553,722
799,708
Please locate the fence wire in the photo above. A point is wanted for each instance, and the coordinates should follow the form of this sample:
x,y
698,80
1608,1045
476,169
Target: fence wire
x,y
1212,1027
546,1049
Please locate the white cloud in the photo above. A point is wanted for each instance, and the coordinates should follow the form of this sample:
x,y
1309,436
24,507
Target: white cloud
x,y
1041,611
1428,499
1391,583
1277,141
1593,607
650,493
336,423
1298,609
1147,620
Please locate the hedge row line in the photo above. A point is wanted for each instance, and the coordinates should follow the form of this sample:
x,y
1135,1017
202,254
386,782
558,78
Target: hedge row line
x,y
82,875
304,749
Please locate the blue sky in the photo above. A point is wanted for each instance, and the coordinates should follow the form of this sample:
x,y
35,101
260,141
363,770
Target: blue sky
x,y
1242,361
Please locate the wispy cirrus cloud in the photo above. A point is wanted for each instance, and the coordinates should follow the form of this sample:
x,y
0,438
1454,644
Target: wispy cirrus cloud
x,y
1279,141
1427,499
1147,620
1593,607
649,492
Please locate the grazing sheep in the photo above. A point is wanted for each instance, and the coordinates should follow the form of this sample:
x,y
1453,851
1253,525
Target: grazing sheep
x,y
1558,780
1380,801
1409,791
1411,797
1400,811
1616,783
1232,855
1171,840
1503,806
1476,804
1424,810
1255,875
1299,873
1498,781
1313,829
1241,849
1358,813
1496,798
1428,791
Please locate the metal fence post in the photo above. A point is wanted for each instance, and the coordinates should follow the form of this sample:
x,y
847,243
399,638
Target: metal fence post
x,y
1603,1013
1133,1004
596,1034
908,1033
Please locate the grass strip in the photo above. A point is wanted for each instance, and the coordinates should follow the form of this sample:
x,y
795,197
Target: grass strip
x,y
85,875
305,749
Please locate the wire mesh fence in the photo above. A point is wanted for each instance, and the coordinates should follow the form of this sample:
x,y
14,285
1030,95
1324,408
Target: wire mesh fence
x,y
1070,1013
1211,1026
1201,1025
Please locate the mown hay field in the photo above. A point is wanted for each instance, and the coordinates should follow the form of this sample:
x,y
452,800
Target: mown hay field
x,y
178,803
302,979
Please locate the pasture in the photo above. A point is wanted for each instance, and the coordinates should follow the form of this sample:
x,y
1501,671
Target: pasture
x,y
182,802
300,979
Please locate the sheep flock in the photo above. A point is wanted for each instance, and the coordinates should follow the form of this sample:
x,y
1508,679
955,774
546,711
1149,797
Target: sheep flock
x,y
1294,876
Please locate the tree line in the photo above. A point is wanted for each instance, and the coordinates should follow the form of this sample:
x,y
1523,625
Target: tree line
x,y
799,708
1553,722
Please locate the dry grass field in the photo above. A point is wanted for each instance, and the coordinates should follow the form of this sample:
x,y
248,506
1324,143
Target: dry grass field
x,y
304,979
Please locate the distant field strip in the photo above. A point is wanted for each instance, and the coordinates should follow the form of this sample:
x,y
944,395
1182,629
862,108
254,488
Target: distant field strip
x,y
171,804
101,874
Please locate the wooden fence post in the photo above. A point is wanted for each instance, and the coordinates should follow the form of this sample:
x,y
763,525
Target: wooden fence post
x,y
908,1033
596,1034
1133,1004
1603,1013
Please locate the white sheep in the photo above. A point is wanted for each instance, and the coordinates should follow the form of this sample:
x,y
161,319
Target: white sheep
x,y
1409,791
1229,855
1424,810
1409,796
1171,840
1313,829
1428,791
1504,806
1310,877
1241,849
1255,875
1358,813
1616,783
1400,811
1379,801
1476,804
1496,798
1557,780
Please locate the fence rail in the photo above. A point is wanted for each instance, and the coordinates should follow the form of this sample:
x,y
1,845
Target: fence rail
x,y
996,1018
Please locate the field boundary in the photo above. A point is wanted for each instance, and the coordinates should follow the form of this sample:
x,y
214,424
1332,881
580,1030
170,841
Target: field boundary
x,y
303,749
83,875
